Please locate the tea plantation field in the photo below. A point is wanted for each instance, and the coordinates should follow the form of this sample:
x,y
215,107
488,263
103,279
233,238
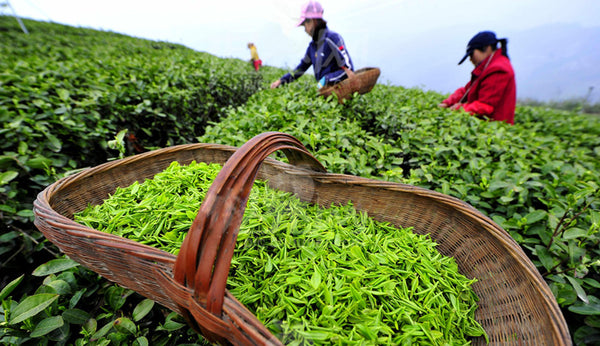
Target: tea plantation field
x,y
72,98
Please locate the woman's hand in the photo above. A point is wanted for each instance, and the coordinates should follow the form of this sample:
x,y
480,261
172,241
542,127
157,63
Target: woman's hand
x,y
456,106
275,84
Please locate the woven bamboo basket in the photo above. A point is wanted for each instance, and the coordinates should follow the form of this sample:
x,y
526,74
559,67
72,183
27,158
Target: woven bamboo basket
x,y
361,81
516,306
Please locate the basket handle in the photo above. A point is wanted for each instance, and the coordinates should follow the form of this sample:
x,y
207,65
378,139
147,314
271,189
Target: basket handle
x,y
205,256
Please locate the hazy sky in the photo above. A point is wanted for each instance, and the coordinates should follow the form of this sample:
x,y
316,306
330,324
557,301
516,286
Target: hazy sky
x,y
377,33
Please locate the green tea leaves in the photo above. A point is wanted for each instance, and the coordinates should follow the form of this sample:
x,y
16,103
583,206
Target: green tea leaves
x,y
54,266
315,280
580,292
47,325
142,309
591,308
31,306
311,274
6,290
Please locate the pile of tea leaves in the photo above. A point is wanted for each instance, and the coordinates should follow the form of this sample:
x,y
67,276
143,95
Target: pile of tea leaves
x,y
312,275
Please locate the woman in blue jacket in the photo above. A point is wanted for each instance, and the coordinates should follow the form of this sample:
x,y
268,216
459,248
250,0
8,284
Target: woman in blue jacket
x,y
326,52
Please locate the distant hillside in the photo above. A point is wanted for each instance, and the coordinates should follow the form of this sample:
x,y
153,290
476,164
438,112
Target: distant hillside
x,y
557,62
553,62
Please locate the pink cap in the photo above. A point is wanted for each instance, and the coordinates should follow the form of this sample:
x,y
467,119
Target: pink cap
x,y
310,10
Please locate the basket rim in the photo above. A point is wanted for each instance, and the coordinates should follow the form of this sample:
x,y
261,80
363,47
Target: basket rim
x,y
43,210
357,74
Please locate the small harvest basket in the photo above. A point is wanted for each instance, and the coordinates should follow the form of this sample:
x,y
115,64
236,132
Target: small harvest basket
x,y
516,306
361,81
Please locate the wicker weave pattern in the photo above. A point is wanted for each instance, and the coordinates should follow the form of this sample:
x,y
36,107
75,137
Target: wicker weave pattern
x,y
361,81
516,305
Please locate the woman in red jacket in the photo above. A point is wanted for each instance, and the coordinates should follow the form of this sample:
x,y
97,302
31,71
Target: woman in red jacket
x,y
492,91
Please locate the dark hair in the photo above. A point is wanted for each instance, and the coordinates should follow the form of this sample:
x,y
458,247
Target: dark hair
x,y
482,40
320,24
503,46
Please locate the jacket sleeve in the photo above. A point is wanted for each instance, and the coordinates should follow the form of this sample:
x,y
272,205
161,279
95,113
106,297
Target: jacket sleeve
x,y
456,96
342,58
299,70
478,108
490,94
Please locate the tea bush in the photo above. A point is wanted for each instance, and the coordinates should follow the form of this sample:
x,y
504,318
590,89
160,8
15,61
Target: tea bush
x,y
66,90
73,306
67,93
537,179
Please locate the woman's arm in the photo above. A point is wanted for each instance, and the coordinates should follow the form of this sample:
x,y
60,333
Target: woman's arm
x,y
304,64
455,97
490,93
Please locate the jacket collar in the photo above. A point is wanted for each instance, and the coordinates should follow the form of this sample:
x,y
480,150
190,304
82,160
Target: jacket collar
x,y
319,34
485,62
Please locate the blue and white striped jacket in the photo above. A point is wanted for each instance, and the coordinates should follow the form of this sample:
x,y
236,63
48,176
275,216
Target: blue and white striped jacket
x,y
327,56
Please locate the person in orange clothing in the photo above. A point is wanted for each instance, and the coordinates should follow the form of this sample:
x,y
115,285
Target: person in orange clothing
x,y
491,93
254,59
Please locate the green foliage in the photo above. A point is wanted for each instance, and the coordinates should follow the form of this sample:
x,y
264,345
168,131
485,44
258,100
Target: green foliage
x,y
65,93
312,275
74,306
577,104
324,127
537,179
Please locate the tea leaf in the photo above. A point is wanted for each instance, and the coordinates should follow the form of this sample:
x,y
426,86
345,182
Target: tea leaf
x,y
125,325
545,256
47,325
10,287
142,309
54,266
578,289
76,316
592,308
31,306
